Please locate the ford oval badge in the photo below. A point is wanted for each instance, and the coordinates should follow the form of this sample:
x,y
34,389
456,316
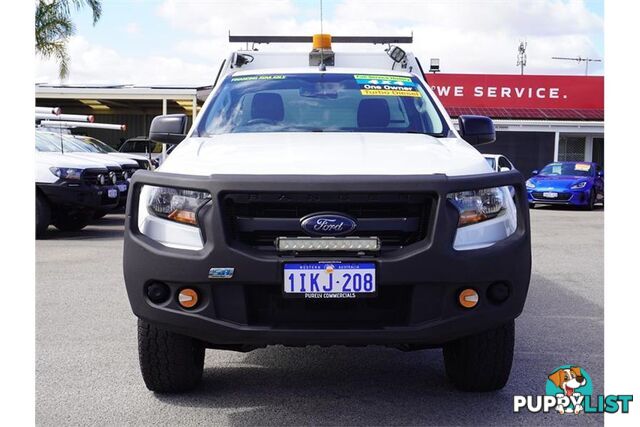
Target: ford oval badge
x,y
327,224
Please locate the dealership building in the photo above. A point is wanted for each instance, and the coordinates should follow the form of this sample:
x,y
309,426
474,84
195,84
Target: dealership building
x,y
538,119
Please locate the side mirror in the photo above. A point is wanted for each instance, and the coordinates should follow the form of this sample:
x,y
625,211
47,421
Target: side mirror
x,y
504,169
169,129
534,172
477,130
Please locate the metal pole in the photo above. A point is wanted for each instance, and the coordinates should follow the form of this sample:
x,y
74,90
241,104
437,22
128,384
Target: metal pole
x,y
164,113
194,107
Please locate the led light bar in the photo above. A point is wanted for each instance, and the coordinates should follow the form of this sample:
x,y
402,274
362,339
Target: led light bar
x,y
308,244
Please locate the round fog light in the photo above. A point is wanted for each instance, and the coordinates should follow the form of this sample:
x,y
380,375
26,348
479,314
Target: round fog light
x,y
498,292
468,298
158,292
188,298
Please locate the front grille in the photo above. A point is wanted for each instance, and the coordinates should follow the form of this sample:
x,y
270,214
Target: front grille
x,y
90,176
257,219
561,196
127,172
266,306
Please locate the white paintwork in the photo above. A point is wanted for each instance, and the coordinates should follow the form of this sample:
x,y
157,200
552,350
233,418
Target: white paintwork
x,y
103,158
47,160
329,153
130,156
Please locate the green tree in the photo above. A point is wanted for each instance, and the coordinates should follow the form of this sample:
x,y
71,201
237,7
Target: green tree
x,y
54,27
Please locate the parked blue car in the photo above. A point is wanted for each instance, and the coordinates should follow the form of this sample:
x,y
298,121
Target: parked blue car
x,y
567,183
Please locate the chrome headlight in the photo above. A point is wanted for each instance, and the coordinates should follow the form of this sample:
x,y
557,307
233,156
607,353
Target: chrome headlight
x,y
530,184
170,216
477,205
176,204
475,208
579,185
67,173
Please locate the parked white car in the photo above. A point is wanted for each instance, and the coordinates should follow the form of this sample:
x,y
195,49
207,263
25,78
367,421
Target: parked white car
x,y
98,146
498,162
70,188
122,168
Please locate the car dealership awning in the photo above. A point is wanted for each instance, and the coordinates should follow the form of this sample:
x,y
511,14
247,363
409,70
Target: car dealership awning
x,y
529,97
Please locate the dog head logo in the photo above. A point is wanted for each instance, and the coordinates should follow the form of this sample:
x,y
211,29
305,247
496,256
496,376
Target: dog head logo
x,y
568,379
569,384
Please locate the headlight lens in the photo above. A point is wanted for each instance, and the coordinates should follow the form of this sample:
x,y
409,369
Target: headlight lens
x,y
176,204
579,185
67,173
530,184
477,205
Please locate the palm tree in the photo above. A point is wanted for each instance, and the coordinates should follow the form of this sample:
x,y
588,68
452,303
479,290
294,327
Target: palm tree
x,y
54,27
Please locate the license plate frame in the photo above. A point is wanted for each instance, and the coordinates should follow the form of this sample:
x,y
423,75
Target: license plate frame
x,y
339,269
550,195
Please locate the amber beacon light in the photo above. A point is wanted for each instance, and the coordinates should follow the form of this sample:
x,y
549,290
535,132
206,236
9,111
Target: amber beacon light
x,y
322,41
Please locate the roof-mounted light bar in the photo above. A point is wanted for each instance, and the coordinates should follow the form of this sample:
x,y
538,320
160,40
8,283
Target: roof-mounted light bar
x,y
309,39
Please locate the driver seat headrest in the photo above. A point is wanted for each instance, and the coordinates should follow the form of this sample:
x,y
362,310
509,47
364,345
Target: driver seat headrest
x,y
373,113
267,106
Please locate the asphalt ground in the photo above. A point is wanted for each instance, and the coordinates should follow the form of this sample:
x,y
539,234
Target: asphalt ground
x,y
87,365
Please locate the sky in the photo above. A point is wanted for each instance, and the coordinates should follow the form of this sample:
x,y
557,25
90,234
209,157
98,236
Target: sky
x,y
183,42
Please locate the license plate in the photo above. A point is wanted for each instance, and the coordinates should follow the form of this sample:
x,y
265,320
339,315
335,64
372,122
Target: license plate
x,y
112,193
550,195
330,280
122,187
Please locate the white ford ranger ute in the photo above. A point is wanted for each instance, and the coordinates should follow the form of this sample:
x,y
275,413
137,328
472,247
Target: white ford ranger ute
x,y
325,205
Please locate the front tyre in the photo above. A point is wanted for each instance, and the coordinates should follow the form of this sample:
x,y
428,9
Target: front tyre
x,y
43,215
481,362
592,200
76,221
169,362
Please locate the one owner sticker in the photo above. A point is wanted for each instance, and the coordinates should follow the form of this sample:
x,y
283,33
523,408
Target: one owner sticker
x,y
380,85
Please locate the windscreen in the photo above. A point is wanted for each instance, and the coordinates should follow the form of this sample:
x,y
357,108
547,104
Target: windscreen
x,y
67,142
322,102
44,143
97,144
568,169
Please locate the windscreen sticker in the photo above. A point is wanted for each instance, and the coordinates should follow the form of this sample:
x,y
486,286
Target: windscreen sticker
x,y
584,167
261,77
377,85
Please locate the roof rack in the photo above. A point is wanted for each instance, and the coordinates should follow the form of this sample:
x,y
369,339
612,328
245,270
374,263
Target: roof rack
x,y
309,39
